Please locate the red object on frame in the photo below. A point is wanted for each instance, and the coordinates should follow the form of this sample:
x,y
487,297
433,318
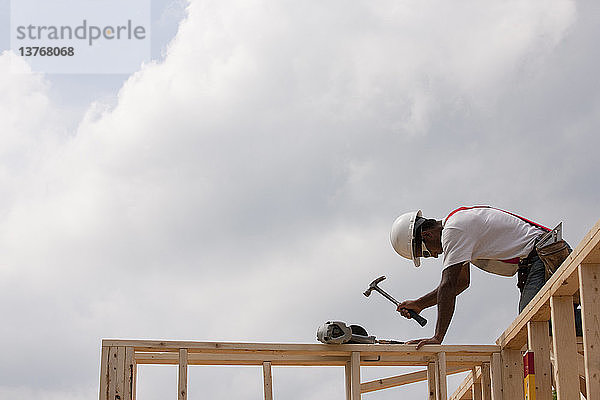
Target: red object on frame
x,y
528,366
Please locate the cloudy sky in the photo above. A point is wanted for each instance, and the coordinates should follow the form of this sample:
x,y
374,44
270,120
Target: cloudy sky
x,y
241,185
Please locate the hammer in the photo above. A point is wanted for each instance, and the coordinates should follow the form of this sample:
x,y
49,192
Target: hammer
x,y
373,286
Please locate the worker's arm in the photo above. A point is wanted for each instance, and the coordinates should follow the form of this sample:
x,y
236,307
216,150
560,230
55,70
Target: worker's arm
x,y
431,298
455,279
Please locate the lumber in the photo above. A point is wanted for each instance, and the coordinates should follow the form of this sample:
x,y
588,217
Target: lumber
x,y
395,381
589,278
112,373
476,387
267,381
563,282
104,373
471,386
431,384
441,375
512,374
496,376
120,384
539,343
404,379
303,360
565,347
486,383
298,348
355,375
182,379
464,388
348,376
129,374
134,389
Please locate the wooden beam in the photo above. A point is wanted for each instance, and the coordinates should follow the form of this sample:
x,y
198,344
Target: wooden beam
x,y
589,278
297,348
355,375
268,381
496,376
441,376
348,376
562,282
251,358
104,373
464,389
486,383
565,347
512,374
471,386
431,383
182,381
112,373
134,390
405,379
476,387
129,374
120,387
539,343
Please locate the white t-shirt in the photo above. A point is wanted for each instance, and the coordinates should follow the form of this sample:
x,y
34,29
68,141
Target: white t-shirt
x,y
485,237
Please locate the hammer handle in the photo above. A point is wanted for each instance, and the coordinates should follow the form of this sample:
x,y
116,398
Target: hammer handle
x,y
413,314
422,321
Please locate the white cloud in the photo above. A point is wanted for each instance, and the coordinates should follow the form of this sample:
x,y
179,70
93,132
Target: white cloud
x,y
242,189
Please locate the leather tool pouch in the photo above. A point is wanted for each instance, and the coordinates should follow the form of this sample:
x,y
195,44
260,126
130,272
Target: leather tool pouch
x,y
553,255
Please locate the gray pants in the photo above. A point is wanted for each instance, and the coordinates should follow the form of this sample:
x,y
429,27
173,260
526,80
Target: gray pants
x,y
535,281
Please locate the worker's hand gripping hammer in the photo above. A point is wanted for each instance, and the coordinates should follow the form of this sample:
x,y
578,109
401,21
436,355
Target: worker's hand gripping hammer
x,y
373,286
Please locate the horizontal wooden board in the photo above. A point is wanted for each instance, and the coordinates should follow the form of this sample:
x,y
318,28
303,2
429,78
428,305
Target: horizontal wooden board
x,y
299,348
405,379
302,359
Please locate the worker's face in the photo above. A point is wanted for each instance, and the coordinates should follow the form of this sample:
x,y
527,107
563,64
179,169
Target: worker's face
x,y
431,243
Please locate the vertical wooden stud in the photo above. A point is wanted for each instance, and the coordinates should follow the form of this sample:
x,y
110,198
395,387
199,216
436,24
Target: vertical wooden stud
x,y
496,376
565,347
112,373
355,375
431,385
589,291
134,390
512,374
182,381
348,376
441,382
267,380
104,373
476,387
129,374
538,339
486,383
120,393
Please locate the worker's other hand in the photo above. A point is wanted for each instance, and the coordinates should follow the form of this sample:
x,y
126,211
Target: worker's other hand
x,y
422,342
408,305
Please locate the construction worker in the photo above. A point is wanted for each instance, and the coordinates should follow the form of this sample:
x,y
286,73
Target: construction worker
x,y
494,240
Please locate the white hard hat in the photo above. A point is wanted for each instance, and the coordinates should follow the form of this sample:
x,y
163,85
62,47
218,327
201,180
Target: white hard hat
x,y
403,235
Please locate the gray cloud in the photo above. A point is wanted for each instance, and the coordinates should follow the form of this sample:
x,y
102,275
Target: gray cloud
x,y
243,187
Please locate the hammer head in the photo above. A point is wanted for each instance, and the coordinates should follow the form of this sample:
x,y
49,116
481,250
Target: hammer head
x,y
373,285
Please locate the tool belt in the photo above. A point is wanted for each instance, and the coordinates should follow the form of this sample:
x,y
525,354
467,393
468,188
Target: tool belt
x,y
552,255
